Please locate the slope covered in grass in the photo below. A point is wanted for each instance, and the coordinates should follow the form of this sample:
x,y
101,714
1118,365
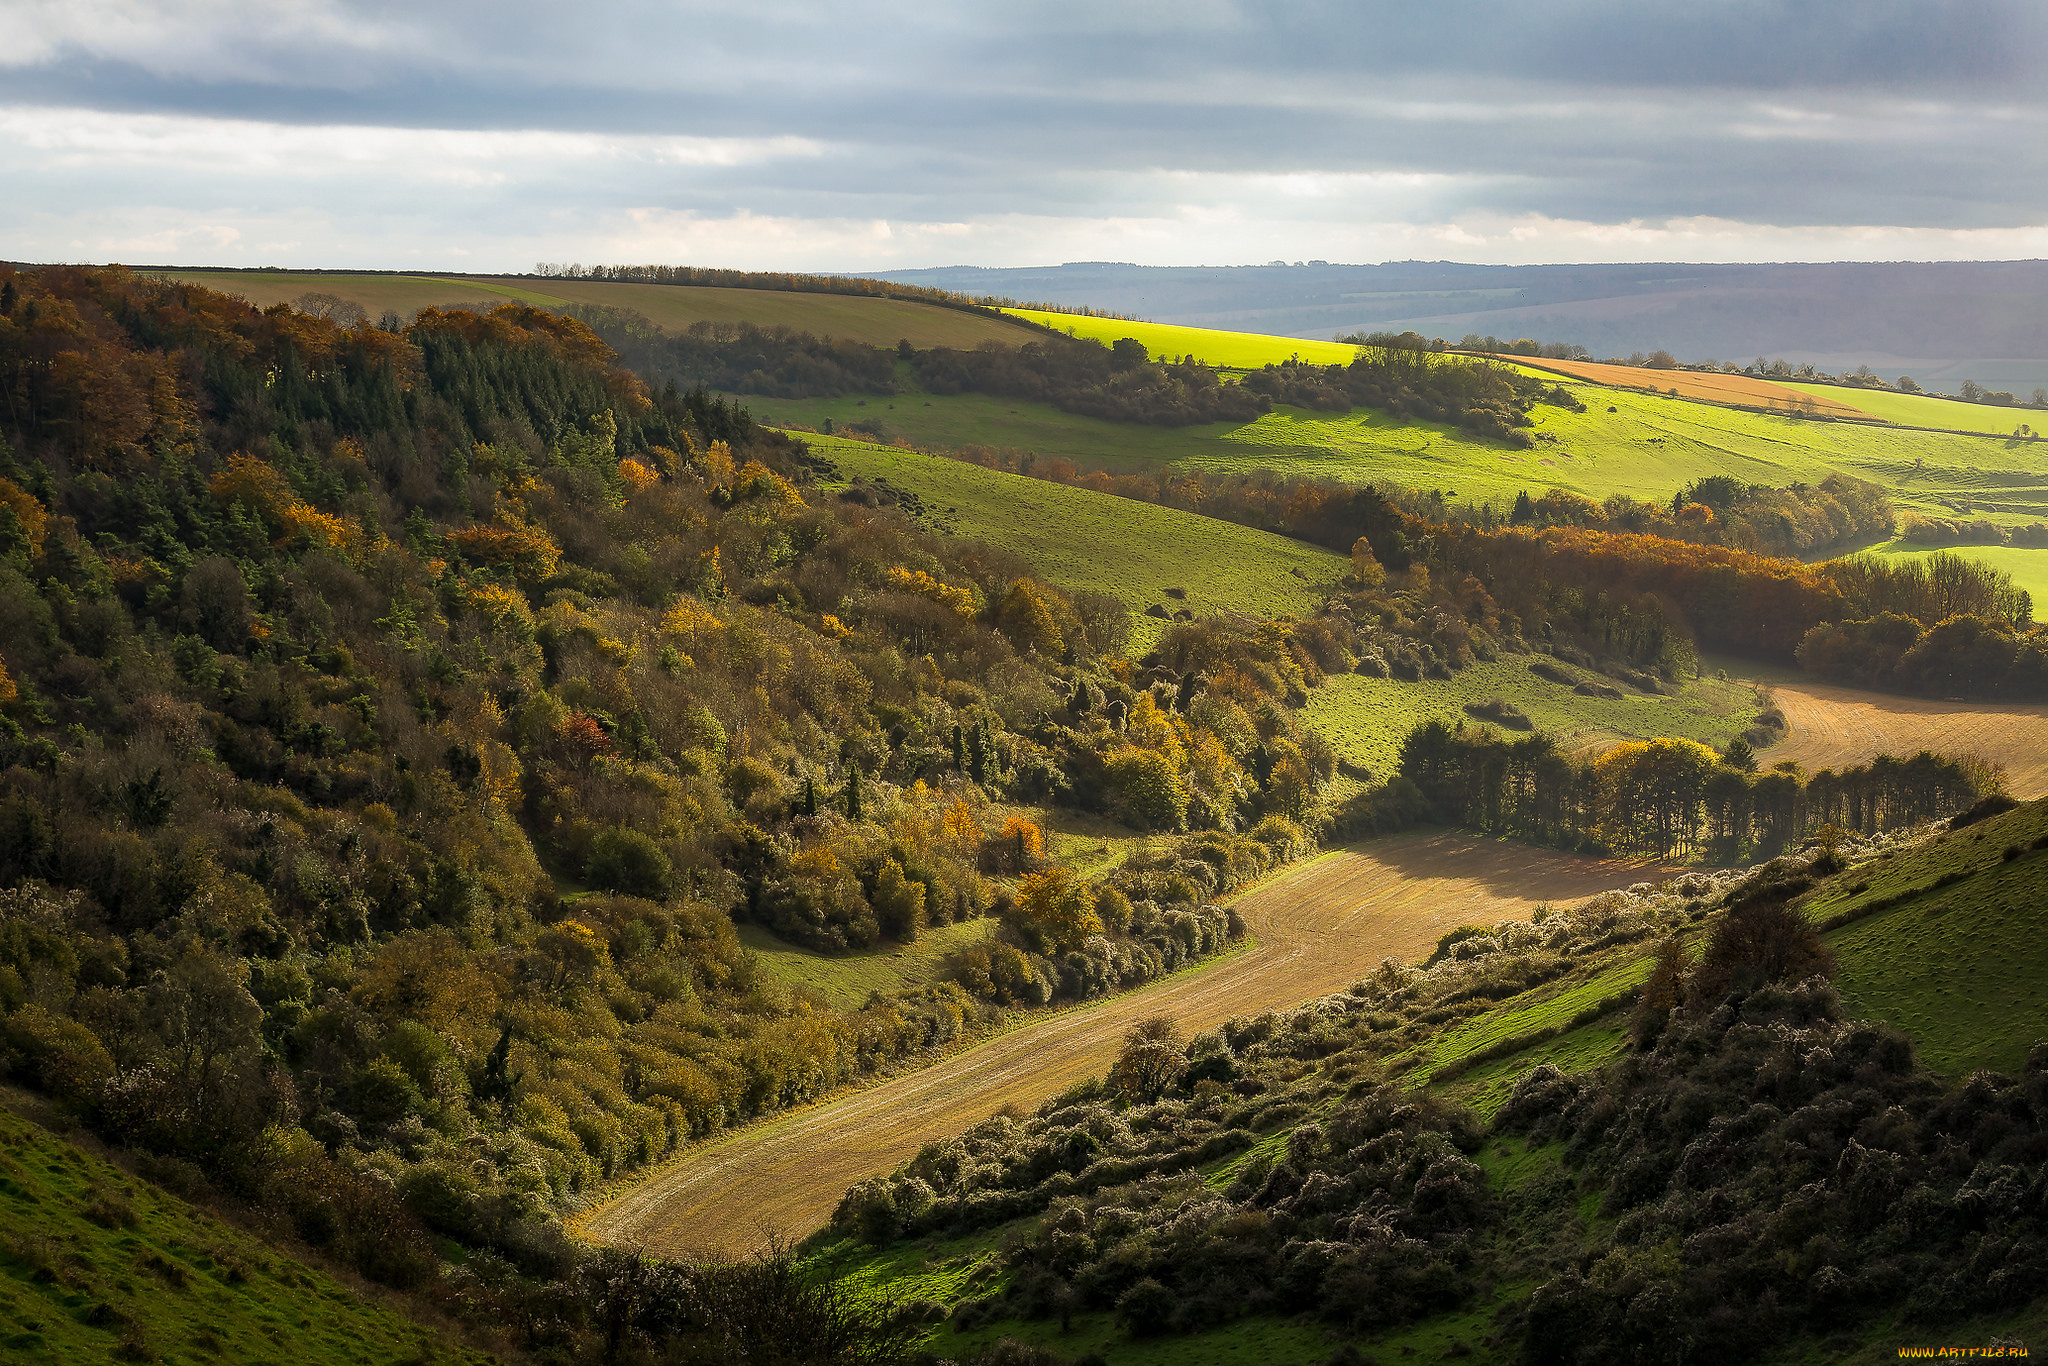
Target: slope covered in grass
x,y
1924,410
1368,718
1946,940
1084,540
871,320
1648,447
96,1265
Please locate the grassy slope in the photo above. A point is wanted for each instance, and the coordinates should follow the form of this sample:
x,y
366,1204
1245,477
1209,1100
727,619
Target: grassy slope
x,y
1919,410
877,322
1648,447
1961,968
1115,545
844,981
1086,540
178,1286
1367,718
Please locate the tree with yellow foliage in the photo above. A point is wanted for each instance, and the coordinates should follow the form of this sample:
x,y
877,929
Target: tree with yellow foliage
x,y
1056,906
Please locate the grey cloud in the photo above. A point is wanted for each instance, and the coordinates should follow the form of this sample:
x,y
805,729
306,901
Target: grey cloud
x,y
1914,114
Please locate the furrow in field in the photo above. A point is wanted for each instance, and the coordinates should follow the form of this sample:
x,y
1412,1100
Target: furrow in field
x,y
1318,928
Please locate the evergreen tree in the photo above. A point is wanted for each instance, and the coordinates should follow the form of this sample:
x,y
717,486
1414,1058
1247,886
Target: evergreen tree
x,y
959,749
810,802
498,1082
853,792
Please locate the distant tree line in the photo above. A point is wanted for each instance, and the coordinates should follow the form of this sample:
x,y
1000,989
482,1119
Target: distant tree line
x,y
1669,797
781,281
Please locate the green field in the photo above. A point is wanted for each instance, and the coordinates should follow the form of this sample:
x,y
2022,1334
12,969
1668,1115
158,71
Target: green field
x,y
96,1265
1367,718
1224,350
1084,540
1919,410
1960,967
1647,447
845,980
875,321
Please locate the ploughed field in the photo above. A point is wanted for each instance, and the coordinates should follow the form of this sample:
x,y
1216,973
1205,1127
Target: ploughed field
x,y
1317,927
1830,727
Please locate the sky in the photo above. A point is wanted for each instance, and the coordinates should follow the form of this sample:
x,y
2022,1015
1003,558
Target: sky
x,y
489,135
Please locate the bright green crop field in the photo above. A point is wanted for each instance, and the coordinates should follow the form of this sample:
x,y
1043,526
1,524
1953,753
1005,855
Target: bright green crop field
x,y
1367,718
96,1266
1092,541
1224,350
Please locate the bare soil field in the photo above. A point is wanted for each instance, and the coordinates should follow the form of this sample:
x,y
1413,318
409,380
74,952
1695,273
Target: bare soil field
x,y
1318,928
1715,388
1828,727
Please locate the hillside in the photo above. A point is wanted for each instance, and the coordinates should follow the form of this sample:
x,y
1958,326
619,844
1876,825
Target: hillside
x,y
871,321
1312,930
1096,542
1576,1193
97,1265
1092,541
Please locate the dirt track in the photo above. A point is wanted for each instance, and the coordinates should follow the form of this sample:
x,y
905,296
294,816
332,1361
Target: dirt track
x,y
1319,927
1828,727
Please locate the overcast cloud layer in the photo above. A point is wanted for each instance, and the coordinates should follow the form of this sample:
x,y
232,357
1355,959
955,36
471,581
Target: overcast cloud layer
x,y
487,136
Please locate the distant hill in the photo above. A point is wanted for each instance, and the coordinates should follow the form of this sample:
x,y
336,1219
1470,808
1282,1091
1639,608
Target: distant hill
x,y
1940,322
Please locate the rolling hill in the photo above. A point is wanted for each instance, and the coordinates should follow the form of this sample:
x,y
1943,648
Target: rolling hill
x,y
99,1265
874,321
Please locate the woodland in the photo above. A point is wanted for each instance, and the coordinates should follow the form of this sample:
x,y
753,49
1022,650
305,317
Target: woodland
x,y
398,722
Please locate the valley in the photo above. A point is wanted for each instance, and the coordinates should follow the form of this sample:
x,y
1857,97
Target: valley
x,y
1313,929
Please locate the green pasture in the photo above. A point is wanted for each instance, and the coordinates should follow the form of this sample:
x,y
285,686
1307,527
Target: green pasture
x,y
1960,969
1959,966
1646,447
404,294
844,981
1922,410
1083,540
1367,718
875,321
96,1265
946,422
1224,350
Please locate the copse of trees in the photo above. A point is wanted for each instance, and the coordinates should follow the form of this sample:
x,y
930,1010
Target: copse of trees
x,y
1668,797
1489,401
